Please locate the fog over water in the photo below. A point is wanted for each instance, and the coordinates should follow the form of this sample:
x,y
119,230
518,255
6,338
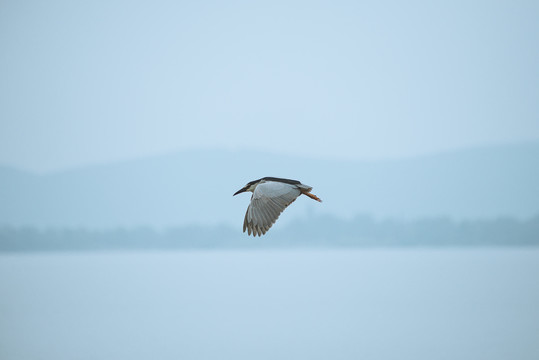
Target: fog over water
x,y
371,304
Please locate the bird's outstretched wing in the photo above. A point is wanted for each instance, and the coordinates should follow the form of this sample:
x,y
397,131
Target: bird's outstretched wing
x,y
267,203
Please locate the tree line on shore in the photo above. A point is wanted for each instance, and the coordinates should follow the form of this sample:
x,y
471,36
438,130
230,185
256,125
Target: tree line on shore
x,y
320,231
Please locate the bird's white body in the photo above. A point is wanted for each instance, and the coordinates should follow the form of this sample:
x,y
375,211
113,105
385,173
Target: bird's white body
x,y
270,197
275,189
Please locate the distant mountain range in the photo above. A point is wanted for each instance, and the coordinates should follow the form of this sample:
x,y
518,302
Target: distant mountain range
x,y
196,187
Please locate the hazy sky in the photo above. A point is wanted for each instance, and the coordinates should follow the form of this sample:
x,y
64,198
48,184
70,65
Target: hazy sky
x,y
85,82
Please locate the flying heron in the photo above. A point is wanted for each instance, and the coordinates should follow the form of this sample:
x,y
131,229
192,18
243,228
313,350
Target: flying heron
x,y
270,197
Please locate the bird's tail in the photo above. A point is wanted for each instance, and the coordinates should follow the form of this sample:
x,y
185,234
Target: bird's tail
x,y
312,196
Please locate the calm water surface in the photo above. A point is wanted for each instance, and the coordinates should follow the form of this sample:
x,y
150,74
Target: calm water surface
x,y
349,304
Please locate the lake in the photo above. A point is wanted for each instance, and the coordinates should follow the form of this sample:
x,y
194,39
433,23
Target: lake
x,y
279,304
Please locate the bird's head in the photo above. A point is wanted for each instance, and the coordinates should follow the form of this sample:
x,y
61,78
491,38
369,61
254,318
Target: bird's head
x,y
251,185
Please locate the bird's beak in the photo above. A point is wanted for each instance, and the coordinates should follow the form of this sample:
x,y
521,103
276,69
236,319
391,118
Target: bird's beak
x,y
240,191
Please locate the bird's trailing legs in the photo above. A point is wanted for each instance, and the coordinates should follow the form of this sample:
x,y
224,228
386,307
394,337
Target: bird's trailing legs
x,y
312,196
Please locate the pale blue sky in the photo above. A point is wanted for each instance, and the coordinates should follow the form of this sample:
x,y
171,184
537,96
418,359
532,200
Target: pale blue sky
x,y
87,82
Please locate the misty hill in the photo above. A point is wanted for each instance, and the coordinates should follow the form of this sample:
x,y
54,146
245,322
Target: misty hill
x,y
196,187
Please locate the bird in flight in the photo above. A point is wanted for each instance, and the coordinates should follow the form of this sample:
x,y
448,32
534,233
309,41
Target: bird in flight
x,y
270,197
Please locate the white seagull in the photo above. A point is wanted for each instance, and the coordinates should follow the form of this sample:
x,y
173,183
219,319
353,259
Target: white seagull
x,y
270,197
